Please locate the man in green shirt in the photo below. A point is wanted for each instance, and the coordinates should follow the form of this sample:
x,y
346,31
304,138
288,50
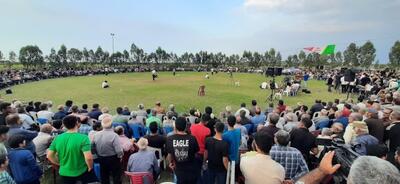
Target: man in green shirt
x,y
74,154
153,118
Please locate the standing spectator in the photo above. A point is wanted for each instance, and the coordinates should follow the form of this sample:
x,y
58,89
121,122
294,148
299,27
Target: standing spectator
x,y
144,160
5,178
23,164
3,138
95,112
271,128
135,120
232,137
303,140
260,168
5,109
141,113
43,141
253,107
84,127
125,111
96,127
329,82
44,113
14,123
192,116
216,155
109,150
181,149
26,119
200,132
211,121
362,139
119,117
60,114
306,76
290,158
155,140
73,154
375,125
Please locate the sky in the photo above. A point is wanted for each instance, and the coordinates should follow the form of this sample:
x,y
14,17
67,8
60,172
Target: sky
x,y
228,26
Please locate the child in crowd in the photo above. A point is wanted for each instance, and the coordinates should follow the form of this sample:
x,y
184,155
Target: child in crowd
x,y
3,138
5,178
23,164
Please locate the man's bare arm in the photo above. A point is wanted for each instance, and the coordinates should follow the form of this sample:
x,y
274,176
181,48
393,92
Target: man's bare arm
x,y
325,168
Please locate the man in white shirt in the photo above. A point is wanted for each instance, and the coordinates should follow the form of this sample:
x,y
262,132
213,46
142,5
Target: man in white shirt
x,y
259,168
44,113
105,84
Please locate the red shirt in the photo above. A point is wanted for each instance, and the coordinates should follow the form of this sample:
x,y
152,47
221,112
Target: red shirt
x,y
281,108
200,132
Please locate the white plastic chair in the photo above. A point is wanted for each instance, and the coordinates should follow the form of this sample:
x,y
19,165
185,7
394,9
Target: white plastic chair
x,y
160,156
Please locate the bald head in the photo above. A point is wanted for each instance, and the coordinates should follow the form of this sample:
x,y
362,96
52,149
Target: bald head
x,y
355,117
106,122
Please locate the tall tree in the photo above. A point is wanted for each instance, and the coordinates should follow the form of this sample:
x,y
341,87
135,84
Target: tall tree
x,y
74,55
126,56
85,55
367,54
351,55
100,56
394,55
12,57
1,56
31,56
62,54
302,57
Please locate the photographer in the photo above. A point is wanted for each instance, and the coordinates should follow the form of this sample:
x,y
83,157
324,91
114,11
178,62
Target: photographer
x,y
364,170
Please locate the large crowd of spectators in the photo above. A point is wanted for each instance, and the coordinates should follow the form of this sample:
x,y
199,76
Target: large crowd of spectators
x,y
273,144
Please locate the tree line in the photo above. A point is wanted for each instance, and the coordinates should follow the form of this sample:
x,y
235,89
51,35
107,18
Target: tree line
x,y
31,56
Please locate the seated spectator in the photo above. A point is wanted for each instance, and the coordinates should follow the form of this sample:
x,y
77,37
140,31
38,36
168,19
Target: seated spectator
x,y
134,119
3,138
378,150
375,125
317,107
362,138
25,118
243,118
109,151
68,105
155,140
72,152
171,111
60,114
281,106
153,118
271,128
4,176
216,156
326,133
341,119
144,160
126,111
258,118
291,122
260,168
119,117
96,127
290,158
141,113
95,112
43,141
84,109
158,108
104,113
85,128
243,108
303,140
349,133
322,121
58,128
337,130
23,165
14,123
169,122
126,143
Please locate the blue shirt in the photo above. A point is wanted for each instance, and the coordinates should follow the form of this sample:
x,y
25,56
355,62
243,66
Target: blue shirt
x,y
322,124
143,161
85,129
29,136
94,114
232,137
343,120
362,141
306,77
59,115
257,119
23,166
291,159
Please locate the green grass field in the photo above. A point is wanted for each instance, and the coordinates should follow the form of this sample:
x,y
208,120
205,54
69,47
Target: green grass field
x,y
133,88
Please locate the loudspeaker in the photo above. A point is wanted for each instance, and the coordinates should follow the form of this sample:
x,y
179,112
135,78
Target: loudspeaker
x,y
349,75
274,71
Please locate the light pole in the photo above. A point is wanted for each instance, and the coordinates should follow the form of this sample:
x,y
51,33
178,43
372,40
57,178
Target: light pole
x,y
112,38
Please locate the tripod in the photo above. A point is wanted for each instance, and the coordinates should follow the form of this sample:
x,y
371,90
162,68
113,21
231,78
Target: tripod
x,y
272,86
